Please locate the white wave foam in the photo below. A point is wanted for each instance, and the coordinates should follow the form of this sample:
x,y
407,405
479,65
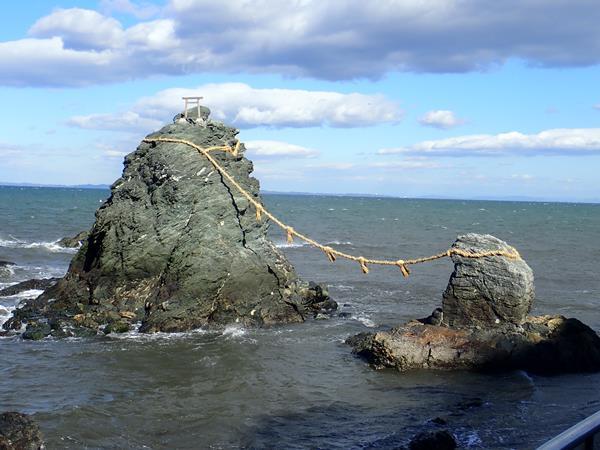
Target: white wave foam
x,y
5,313
50,246
9,303
10,270
304,244
292,245
134,335
234,331
365,321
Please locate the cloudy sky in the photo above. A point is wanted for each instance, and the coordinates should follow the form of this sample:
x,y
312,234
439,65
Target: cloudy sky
x,y
451,98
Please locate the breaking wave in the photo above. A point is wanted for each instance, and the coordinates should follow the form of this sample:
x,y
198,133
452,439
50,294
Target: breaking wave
x,y
50,246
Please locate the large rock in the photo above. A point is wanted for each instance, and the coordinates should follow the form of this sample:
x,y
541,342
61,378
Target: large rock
x,y
543,345
175,247
19,432
483,324
487,291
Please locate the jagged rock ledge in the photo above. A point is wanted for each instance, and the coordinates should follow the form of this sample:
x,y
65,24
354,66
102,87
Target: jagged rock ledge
x,y
174,248
19,432
484,324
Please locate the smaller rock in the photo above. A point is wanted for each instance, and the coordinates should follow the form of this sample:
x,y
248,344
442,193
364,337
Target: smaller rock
x,y
28,285
19,432
116,327
436,317
192,116
127,315
316,300
433,440
75,241
6,263
490,291
37,331
439,421
321,316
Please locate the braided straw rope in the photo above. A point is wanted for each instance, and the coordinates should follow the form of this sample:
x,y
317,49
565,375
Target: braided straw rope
x,y
330,252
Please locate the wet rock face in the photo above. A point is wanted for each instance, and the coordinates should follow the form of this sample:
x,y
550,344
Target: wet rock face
x,y
543,345
74,241
28,285
19,432
487,291
174,247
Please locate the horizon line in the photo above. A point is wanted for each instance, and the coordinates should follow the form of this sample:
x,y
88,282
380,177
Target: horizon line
x,y
490,198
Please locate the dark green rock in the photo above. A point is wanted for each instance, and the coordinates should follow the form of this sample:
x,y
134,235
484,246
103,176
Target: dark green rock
x,y
37,331
74,241
489,291
116,327
176,246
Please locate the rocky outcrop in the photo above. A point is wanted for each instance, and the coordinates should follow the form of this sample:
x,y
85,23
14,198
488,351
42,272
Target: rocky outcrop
x,y
6,268
27,285
543,345
487,291
175,247
19,432
74,241
483,325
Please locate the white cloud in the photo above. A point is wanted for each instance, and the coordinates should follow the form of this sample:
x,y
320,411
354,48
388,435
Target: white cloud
x,y
335,166
244,106
522,177
325,39
406,164
114,154
80,29
128,121
7,150
441,119
560,141
278,149
142,10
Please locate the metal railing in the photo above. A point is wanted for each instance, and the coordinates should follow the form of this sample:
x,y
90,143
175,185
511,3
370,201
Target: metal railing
x,y
584,435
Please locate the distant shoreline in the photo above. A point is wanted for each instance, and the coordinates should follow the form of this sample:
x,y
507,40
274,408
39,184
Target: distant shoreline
x,y
328,194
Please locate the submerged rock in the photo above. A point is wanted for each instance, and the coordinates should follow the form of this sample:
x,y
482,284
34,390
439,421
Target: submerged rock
x,y
175,247
19,432
483,325
28,285
433,440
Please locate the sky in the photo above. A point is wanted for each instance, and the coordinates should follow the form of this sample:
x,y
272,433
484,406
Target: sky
x,y
409,98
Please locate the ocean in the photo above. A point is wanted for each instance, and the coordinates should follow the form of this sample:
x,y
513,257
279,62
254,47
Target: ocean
x,y
299,386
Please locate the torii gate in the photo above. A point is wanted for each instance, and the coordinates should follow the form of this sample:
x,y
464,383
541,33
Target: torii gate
x,y
191,101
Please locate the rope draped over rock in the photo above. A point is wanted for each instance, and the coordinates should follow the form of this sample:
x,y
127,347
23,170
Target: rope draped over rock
x,y
330,252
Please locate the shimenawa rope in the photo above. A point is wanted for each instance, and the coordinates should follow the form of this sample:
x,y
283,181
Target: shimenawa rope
x,y
330,252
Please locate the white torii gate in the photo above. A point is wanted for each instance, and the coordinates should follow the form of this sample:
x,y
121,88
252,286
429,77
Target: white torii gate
x,y
191,101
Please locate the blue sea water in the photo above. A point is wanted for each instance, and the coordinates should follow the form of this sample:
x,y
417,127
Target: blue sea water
x,y
299,386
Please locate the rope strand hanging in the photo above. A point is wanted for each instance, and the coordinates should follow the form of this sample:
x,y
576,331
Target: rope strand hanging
x,y
331,253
